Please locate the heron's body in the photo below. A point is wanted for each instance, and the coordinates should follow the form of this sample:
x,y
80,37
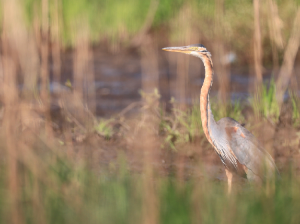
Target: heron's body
x,y
237,148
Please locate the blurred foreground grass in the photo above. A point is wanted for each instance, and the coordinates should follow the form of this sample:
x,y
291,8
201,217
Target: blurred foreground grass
x,y
71,194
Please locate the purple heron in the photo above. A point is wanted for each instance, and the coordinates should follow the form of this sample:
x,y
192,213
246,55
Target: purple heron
x,y
238,149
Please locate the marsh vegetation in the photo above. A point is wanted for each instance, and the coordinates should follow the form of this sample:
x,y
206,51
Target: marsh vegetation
x,y
97,125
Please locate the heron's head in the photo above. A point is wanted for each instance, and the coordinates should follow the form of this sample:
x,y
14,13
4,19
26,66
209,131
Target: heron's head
x,y
197,50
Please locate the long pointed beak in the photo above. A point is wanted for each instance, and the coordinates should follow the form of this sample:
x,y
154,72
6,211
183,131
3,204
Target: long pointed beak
x,y
178,49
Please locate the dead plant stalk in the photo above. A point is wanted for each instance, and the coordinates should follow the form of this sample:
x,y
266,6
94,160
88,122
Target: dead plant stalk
x,y
290,53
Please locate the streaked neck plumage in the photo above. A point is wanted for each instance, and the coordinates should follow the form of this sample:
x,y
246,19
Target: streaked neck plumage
x,y
208,121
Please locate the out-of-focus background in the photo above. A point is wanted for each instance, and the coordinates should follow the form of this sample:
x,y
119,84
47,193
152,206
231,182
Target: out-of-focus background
x,y
99,125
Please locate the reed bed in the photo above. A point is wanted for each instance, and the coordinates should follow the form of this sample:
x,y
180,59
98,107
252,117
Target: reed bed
x,y
150,162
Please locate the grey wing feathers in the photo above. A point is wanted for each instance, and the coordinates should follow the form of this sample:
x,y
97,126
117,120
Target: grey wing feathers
x,y
248,150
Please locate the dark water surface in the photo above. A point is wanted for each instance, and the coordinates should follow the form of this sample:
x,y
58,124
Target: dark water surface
x,y
119,79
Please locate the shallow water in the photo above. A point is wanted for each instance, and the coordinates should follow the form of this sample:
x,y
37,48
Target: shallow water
x,y
118,81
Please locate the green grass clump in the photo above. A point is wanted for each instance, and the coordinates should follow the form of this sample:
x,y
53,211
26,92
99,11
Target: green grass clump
x,y
295,105
181,126
265,103
233,110
104,128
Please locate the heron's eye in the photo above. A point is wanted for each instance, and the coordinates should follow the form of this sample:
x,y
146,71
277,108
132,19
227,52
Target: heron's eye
x,y
201,49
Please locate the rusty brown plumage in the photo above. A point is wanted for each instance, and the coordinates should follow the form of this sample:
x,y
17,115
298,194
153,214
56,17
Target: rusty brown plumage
x,y
204,105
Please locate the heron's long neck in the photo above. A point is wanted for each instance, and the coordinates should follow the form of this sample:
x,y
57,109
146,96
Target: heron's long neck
x,y
208,121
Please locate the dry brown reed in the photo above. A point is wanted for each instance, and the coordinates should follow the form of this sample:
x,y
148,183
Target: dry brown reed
x,y
219,50
275,25
84,87
290,53
150,150
56,42
185,34
149,65
23,122
145,148
45,97
10,118
145,145
10,99
257,43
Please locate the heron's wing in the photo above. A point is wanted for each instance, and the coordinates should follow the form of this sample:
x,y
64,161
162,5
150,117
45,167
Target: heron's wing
x,y
246,148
